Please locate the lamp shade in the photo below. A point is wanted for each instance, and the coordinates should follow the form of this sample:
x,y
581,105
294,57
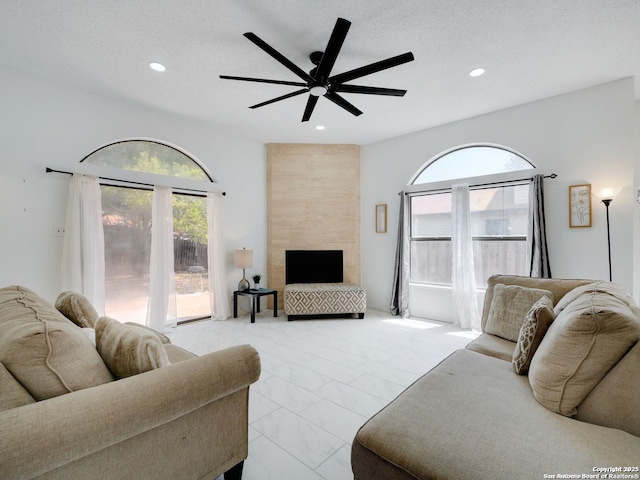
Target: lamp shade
x,y
608,193
243,258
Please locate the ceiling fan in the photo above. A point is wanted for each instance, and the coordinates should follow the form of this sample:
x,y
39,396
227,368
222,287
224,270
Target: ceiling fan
x,y
319,82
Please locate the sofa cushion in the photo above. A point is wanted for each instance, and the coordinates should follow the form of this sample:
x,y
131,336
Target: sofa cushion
x,y
42,349
508,308
493,346
77,308
535,326
470,418
177,354
590,335
128,350
12,394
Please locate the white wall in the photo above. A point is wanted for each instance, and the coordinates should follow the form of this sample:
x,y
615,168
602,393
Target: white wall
x,y
636,208
45,124
584,137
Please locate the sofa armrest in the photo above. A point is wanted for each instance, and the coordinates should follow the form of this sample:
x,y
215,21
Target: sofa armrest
x,y
45,435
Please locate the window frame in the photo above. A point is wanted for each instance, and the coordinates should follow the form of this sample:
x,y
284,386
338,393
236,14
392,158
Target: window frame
x,y
474,238
503,179
445,153
175,148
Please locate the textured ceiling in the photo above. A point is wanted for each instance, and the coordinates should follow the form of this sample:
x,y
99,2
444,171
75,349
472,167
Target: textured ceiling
x,y
530,49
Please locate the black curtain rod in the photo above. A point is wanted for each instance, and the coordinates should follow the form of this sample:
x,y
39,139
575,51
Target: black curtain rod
x,y
553,175
51,170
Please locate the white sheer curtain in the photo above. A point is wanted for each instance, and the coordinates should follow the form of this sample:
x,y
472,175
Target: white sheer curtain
x,y
463,278
83,247
220,309
162,289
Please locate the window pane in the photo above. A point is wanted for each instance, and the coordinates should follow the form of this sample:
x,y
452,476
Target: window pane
x,y
127,238
148,157
431,261
474,162
127,243
504,257
190,256
499,212
431,215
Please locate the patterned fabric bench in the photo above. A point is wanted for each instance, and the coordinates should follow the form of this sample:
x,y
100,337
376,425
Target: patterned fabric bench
x,y
302,299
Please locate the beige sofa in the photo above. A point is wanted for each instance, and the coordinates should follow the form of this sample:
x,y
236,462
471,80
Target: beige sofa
x,y
65,415
577,412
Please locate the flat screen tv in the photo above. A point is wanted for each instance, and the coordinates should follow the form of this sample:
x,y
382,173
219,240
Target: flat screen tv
x,y
313,266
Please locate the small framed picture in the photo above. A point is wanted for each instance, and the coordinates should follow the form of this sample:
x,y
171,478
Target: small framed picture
x,y
381,218
580,206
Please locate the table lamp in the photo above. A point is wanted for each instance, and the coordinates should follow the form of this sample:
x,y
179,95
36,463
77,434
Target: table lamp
x,y
243,260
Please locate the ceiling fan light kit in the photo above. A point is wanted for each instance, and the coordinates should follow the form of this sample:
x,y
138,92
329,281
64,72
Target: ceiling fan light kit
x,y
319,82
318,90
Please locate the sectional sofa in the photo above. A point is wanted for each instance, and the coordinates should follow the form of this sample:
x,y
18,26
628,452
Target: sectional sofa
x,y
550,389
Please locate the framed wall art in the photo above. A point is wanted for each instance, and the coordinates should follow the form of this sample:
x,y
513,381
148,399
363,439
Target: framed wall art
x,y
580,206
381,218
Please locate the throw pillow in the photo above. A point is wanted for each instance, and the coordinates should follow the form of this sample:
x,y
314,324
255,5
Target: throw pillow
x,y
587,338
128,350
535,325
163,338
77,308
508,308
43,350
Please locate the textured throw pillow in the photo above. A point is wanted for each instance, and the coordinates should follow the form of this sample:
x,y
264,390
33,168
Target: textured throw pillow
x,y
77,308
43,350
587,338
163,338
535,325
508,308
128,350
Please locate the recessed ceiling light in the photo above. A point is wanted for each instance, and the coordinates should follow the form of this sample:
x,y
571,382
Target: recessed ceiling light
x,y
319,127
476,72
158,67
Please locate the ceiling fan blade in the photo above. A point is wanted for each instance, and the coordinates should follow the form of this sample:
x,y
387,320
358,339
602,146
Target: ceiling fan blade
x,y
332,50
283,97
311,104
263,80
371,68
278,56
370,90
341,102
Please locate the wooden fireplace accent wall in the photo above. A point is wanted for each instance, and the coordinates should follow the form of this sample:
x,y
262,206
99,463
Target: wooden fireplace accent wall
x,y
313,203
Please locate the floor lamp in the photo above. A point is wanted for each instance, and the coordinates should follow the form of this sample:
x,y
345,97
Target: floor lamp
x,y
606,196
607,202
243,259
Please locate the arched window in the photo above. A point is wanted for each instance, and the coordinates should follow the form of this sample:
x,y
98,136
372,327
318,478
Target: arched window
x,y
471,161
127,222
499,213
148,156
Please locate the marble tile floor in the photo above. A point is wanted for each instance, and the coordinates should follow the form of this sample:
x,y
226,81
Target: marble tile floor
x,y
321,380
